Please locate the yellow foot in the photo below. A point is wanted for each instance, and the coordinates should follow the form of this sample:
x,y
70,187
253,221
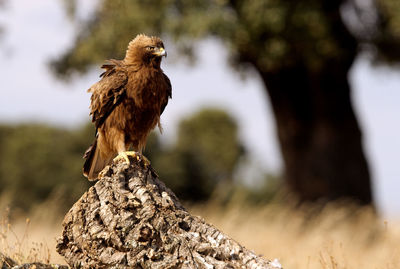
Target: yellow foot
x,y
124,156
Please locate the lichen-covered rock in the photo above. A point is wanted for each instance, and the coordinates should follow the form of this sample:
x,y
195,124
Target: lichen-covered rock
x,y
129,219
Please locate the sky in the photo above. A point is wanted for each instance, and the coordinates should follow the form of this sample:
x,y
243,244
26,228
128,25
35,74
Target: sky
x,y
37,31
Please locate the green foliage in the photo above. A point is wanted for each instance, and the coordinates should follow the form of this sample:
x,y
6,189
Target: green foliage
x,y
387,40
206,153
37,160
270,34
211,138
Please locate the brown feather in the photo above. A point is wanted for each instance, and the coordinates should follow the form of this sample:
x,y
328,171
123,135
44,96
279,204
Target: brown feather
x,y
94,162
127,102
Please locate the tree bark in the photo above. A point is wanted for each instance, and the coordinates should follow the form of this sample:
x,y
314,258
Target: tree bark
x,y
129,219
320,139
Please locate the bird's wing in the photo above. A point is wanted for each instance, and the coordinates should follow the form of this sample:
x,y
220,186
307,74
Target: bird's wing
x,y
108,92
169,93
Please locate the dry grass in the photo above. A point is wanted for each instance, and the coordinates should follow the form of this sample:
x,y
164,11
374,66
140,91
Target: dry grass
x,y
337,239
31,239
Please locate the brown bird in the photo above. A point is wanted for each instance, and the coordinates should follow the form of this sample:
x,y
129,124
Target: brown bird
x,y
126,103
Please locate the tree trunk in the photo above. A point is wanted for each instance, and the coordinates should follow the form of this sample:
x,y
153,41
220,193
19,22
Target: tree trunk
x,y
319,135
129,219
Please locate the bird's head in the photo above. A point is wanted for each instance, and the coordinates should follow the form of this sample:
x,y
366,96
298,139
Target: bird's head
x,y
146,50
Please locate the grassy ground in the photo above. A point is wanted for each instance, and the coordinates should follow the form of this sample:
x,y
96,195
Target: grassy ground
x,y
336,239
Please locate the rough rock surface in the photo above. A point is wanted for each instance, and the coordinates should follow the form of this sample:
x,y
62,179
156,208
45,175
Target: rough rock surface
x,y
130,219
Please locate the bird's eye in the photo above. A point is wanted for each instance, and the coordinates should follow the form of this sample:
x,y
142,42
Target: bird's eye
x,y
150,47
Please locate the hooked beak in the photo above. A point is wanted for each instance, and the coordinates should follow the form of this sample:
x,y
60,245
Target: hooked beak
x,y
161,52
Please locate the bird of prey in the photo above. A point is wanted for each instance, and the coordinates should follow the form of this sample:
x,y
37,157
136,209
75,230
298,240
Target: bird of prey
x,y
126,104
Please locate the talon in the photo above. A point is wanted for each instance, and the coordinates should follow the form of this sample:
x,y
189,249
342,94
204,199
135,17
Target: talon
x,y
139,157
124,155
134,154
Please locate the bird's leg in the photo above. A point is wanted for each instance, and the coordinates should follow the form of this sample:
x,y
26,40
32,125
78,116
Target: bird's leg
x,y
139,156
122,156
118,143
134,154
121,148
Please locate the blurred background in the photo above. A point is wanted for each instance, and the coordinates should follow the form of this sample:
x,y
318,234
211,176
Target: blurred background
x,y
280,109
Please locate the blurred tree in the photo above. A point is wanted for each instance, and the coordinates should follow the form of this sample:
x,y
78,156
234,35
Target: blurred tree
x,y
302,51
206,153
37,160
211,138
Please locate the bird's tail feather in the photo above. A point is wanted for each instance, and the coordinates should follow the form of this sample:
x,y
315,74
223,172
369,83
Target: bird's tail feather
x,y
94,163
